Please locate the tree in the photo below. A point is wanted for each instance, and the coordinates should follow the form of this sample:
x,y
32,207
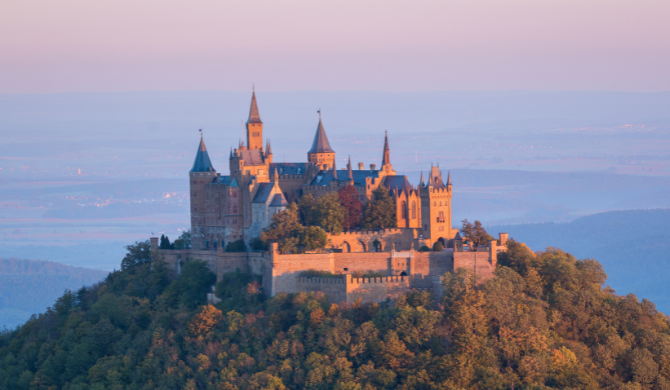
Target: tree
x,y
165,243
236,246
257,244
307,210
475,233
191,287
380,212
285,229
183,241
350,200
138,253
437,246
330,213
313,237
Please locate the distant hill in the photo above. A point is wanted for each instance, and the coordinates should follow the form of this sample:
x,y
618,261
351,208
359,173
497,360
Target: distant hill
x,y
29,286
632,245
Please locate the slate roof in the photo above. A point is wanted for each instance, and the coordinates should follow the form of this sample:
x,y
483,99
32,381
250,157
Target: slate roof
x,y
458,236
263,193
397,182
254,116
289,168
225,180
279,201
323,178
202,162
320,143
251,156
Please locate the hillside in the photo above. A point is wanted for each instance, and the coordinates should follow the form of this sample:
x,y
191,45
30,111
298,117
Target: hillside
x,y
544,321
633,246
29,286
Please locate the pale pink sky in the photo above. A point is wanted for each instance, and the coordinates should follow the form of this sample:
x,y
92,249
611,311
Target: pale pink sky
x,y
401,46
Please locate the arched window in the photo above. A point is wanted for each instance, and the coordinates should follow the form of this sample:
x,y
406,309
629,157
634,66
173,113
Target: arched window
x,y
413,210
404,209
207,244
215,242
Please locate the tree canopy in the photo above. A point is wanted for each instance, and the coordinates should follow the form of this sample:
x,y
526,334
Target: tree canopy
x,y
380,211
475,233
350,199
544,321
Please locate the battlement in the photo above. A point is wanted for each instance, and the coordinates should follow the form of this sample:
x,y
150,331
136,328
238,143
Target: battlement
x,y
318,280
384,279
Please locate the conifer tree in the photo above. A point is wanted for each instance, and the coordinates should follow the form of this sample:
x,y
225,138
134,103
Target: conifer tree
x,y
329,213
380,212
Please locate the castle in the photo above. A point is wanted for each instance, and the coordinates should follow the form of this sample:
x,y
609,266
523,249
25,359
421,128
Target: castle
x,y
240,205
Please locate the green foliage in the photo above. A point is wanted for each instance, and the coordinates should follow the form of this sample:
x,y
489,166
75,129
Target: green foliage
x,y
475,233
183,241
307,210
437,246
284,229
350,199
380,211
138,254
329,213
425,248
543,322
236,246
191,287
165,243
258,244
313,237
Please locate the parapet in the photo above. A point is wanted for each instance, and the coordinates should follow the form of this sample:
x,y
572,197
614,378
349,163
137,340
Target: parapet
x,y
383,279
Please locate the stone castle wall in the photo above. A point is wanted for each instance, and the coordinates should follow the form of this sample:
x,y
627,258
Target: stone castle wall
x,y
363,241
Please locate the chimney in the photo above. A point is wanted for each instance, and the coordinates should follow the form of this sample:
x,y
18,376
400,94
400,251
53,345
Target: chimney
x,y
360,166
372,167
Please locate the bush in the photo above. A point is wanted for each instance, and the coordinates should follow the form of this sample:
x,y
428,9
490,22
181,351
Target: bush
x,y
437,246
424,249
258,244
236,246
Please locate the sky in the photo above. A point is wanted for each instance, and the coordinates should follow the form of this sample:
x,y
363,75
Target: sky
x,y
289,45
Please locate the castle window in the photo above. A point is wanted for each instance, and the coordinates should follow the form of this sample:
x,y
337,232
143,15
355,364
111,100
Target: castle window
x,y
435,203
235,221
413,210
195,194
234,194
404,209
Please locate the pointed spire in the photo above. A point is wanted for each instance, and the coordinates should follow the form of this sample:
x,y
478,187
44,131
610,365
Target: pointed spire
x,y
448,178
254,116
202,162
386,159
335,169
421,181
268,148
240,144
350,174
276,183
320,144
430,179
231,153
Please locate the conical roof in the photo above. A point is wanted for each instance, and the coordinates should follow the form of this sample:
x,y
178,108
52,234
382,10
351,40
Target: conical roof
x,y
458,237
254,116
321,144
202,162
350,175
386,159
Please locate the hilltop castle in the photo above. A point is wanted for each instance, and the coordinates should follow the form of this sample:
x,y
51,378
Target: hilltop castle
x,y
238,206
241,204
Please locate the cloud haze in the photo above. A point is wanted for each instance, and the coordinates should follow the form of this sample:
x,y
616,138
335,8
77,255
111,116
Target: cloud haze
x,y
78,45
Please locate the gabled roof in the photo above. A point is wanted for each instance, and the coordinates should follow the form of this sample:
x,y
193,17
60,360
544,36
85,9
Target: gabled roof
x,y
202,162
278,201
263,193
458,236
320,143
397,182
251,156
289,168
323,178
234,183
225,180
254,116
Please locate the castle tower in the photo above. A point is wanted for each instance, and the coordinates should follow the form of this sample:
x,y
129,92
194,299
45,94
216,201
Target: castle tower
x,y
386,158
321,154
202,174
254,126
436,207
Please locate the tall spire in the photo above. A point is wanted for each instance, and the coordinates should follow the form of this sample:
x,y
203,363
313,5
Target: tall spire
x,y
276,178
268,148
202,162
320,144
448,178
421,181
386,160
350,174
254,116
231,153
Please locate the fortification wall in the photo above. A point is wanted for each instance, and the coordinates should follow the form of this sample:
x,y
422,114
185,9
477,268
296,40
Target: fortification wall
x,y
363,241
478,262
287,268
362,262
376,289
334,288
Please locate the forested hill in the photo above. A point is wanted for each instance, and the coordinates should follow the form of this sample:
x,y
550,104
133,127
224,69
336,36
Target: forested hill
x,y
633,246
544,321
29,286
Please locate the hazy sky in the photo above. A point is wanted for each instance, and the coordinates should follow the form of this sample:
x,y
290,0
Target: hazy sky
x,y
283,45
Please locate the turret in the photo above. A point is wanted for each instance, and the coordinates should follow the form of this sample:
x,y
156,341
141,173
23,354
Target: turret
x,y
321,154
386,157
254,126
201,175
